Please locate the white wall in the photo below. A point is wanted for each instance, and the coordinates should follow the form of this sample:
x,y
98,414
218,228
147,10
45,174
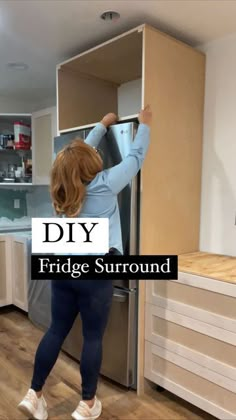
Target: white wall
x,y
39,202
46,103
218,207
129,98
14,106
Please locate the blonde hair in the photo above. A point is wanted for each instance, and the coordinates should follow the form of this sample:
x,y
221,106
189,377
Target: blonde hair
x,y
74,166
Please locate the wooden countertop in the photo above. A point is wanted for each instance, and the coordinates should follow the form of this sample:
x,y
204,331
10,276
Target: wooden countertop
x,y
219,267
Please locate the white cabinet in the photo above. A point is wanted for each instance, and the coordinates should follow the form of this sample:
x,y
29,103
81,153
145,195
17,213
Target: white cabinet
x,y
43,133
14,271
19,272
5,270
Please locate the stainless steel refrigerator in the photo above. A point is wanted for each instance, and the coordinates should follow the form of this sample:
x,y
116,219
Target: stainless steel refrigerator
x,y
120,340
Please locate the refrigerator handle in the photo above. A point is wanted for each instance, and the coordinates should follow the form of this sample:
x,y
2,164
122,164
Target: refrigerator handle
x,y
133,217
119,296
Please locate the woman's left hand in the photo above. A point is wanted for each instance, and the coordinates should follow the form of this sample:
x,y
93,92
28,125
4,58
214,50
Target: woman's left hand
x,y
109,119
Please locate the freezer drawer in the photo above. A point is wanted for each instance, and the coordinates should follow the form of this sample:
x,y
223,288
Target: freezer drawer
x,y
119,345
125,284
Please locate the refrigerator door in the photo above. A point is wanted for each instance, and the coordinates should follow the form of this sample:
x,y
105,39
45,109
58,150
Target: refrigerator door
x,y
119,346
119,141
115,146
119,352
64,139
120,138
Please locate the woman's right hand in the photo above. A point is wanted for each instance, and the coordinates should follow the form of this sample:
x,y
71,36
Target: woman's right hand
x,y
145,116
109,119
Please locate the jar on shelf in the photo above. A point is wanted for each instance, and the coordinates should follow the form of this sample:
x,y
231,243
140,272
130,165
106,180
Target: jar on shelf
x,y
22,136
10,142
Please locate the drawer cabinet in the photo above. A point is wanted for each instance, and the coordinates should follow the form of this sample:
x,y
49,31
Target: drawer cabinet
x,y
190,341
187,380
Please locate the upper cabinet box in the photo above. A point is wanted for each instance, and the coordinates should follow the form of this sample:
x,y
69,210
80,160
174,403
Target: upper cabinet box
x,y
140,67
107,78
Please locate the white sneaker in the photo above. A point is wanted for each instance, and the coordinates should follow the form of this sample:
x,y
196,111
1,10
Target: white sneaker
x,y
83,412
34,407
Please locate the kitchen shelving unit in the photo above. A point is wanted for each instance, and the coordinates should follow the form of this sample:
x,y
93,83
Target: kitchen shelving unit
x,y
43,131
12,156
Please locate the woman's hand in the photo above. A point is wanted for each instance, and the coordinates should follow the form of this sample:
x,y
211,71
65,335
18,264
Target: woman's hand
x,y
145,115
109,119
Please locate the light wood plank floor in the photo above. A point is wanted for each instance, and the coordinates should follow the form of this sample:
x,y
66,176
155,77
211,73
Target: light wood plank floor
x,y
19,338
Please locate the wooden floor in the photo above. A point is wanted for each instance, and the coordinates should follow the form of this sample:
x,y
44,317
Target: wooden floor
x,y
219,267
19,338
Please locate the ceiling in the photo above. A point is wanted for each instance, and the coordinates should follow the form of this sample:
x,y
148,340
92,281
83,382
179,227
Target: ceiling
x,y
42,33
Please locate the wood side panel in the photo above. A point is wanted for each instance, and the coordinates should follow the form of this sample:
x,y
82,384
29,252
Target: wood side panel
x,y
3,271
19,274
171,176
43,138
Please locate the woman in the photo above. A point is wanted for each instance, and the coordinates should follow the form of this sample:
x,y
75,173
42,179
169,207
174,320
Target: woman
x,y
81,188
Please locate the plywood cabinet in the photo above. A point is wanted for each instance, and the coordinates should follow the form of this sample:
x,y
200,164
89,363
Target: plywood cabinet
x,y
88,84
5,270
145,66
20,273
169,75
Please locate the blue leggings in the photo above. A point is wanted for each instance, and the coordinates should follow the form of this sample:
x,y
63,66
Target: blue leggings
x,y
92,299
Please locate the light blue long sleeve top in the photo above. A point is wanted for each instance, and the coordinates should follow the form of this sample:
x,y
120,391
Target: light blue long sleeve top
x,y
101,196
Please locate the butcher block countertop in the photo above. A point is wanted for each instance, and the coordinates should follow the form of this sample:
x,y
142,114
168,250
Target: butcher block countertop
x,y
219,267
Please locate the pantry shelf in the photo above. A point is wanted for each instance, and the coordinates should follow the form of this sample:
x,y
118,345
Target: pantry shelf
x,y
16,184
16,151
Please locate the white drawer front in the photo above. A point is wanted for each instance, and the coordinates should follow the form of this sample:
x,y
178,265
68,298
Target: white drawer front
x,y
199,391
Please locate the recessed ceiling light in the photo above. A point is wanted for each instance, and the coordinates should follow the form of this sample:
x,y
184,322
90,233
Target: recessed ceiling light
x,y
110,16
17,66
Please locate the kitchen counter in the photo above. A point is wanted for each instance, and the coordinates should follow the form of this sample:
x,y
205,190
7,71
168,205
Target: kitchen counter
x,y
18,225
11,229
214,266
